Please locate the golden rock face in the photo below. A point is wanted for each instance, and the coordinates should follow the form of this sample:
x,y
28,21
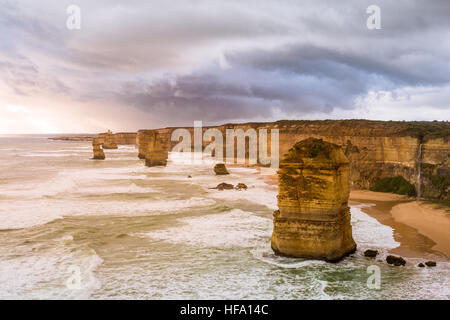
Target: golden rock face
x,y
142,141
313,220
375,149
125,138
108,140
156,152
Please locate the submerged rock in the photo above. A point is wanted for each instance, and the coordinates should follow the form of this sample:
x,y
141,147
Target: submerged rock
x,y
430,264
371,253
241,186
396,261
220,169
224,186
99,154
314,218
421,265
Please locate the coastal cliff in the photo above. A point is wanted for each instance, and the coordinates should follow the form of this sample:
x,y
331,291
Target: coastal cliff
x,y
108,140
417,151
73,138
125,138
111,140
99,154
313,220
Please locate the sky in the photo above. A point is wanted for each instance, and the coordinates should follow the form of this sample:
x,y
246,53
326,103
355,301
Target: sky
x,y
148,64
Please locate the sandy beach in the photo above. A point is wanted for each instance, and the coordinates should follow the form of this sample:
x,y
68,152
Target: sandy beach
x,y
429,221
422,229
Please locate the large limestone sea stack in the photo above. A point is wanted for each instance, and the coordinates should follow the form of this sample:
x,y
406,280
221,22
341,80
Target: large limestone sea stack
x,y
313,220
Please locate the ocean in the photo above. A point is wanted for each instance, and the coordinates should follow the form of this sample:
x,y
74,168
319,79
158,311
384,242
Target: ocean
x,y
75,228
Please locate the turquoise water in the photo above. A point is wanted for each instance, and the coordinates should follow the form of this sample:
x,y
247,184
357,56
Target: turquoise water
x,y
134,232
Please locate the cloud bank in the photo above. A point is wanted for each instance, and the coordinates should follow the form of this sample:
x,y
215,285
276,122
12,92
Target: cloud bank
x,y
139,64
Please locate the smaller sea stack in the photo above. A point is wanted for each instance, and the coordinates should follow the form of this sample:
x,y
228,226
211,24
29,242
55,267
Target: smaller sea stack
x,y
99,154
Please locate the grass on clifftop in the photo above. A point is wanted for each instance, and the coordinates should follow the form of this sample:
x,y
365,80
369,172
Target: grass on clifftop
x,y
396,185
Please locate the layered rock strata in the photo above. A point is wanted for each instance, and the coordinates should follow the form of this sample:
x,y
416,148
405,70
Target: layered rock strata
x,y
417,151
313,220
125,138
108,140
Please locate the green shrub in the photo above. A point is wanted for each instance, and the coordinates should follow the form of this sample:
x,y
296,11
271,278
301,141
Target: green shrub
x,y
440,183
396,185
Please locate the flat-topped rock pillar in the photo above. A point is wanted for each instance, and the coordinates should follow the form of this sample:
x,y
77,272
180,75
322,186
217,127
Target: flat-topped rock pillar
x,y
313,220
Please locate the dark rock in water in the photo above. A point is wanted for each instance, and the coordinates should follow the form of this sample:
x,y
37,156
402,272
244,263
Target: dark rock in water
x,y
189,176
224,186
370,253
430,264
421,265
396,261
241,186
220,169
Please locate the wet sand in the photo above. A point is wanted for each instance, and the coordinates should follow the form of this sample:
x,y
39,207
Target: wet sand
x,y
429,221
422,230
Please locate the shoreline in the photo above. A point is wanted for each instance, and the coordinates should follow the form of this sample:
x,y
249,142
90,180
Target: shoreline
x,y
422,230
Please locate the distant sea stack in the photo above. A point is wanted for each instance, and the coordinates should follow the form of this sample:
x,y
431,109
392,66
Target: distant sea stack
x,y
108,140
99,154
220,169
313,220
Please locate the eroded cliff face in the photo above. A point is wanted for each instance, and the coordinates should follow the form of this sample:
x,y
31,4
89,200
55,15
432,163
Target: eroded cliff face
x,y
313,220
417,151
434,166
125,138
108,140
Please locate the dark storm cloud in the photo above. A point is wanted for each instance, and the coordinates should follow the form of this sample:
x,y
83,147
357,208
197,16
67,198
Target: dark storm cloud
x,y
216,96
336,64
310,76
